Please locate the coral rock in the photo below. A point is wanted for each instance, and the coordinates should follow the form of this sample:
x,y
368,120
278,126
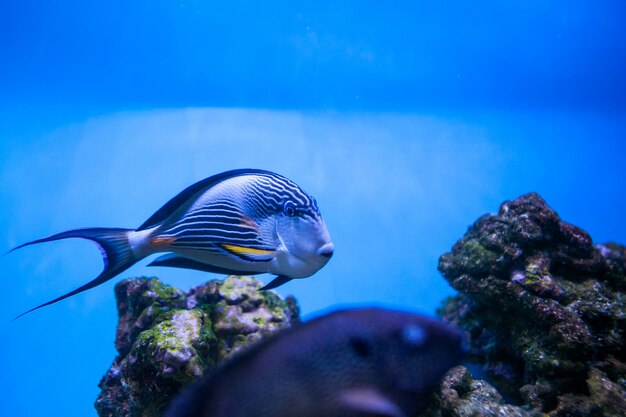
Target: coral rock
x,y
167,339
461,396
545,309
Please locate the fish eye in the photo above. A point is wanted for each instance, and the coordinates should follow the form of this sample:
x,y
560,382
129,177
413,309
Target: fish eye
x,y
360,346
289,209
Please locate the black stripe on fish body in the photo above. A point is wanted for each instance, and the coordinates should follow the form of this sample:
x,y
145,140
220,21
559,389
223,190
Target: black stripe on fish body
x,y
275,199
215,209
348,363
215,215
229,234
216,233
278,189
206,227
271,195
215,228
289,189
272,204
224,204
211,216
258,205
212,222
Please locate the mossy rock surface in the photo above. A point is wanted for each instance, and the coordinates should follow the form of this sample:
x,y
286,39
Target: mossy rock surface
x,y
544,307
459,395
167,338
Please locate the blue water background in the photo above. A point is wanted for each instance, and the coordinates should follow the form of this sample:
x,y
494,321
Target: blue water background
x,y
407,121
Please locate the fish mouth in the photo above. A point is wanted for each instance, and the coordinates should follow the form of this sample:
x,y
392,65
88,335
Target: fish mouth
x,y
326,250
323,254
314,260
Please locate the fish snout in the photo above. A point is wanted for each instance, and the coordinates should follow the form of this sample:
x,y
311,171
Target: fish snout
x,y
326,250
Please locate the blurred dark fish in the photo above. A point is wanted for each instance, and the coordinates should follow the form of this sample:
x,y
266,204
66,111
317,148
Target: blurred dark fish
x,y
245,221
361,362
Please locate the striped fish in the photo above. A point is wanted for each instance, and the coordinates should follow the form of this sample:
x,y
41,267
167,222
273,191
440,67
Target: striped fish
x,y
245,221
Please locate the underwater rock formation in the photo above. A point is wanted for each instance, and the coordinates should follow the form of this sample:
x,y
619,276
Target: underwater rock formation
x,y
167,339
545,309
460,395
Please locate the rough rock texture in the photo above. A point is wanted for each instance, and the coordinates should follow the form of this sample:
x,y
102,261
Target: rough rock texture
x,y
545,309
461,396
167,339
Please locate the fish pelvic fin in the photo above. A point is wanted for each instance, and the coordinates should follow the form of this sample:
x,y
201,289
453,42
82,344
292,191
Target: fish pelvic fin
x,y
117,255
276,282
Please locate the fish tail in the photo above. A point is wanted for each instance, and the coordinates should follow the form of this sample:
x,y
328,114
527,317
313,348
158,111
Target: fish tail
x,y
117,255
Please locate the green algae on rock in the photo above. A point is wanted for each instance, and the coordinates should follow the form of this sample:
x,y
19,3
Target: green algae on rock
x,y
167,339
139,302
545,309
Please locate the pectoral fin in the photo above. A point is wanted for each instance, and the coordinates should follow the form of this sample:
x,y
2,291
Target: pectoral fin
x,y
370,401
250,254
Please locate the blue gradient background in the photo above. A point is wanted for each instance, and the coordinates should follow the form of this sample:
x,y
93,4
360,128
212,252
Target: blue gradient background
x,y
406,120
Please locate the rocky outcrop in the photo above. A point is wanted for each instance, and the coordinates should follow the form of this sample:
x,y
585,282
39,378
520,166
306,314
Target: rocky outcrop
x,y
167,338
460,395
545,309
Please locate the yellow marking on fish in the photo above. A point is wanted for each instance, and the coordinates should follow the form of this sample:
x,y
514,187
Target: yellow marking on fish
x,y
162,241
247,251
248,222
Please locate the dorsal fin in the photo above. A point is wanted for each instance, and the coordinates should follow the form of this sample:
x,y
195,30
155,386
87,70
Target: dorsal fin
x,y
171,206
